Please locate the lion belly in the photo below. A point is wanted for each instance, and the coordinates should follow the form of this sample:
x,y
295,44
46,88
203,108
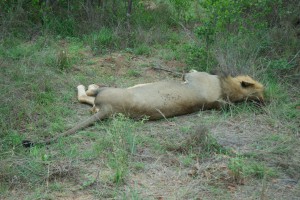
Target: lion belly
x,y
157,100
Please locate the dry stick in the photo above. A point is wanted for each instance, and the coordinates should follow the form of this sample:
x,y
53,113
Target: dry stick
x,y
293,58
167,70
188,32
47,178
296,55
264,189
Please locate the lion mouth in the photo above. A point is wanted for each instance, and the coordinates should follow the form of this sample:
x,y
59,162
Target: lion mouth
x,y
258,101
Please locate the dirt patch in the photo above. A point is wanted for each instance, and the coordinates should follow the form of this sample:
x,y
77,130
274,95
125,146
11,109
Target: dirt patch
x,y
241,133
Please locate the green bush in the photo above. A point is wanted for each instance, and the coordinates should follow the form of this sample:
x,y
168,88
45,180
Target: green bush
x,y
199,57
62,27
229,18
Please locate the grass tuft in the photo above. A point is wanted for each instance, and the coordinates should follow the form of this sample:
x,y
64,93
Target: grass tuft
x,y
118,144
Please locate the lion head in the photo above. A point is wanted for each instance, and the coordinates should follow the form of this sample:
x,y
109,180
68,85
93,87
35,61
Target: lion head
x,y
242,88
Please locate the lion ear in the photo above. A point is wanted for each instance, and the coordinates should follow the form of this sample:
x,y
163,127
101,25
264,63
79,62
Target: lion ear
x,y
245,84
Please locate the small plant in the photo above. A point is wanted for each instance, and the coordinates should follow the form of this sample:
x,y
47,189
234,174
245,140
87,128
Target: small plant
x,y
139,166
142,49
238,168
242,168
59,60
133,72
63,60
187,160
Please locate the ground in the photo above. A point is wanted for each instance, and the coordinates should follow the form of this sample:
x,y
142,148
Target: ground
x,y
242,157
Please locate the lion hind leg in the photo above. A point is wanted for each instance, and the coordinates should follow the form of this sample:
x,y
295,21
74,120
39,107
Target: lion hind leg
x,y
92,90
83,97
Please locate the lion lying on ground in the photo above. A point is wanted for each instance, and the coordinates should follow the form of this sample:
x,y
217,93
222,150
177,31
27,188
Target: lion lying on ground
x,y
198,91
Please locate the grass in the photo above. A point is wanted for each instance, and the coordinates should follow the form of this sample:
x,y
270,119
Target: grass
x,y
142,50
242,168
184,157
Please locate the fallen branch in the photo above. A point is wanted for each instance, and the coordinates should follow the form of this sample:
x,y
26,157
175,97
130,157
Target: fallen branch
x,y
167,70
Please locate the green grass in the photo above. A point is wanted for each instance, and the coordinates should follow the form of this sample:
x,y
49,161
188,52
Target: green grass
x,y
242,168
133,73
38,79
101,41
142,49
118,144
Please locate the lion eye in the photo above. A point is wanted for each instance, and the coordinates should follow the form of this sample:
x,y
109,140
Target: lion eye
x,y
245,84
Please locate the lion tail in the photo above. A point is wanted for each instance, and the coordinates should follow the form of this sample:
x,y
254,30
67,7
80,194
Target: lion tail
x,y
91,120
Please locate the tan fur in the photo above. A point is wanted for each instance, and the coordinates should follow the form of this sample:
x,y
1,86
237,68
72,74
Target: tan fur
x,y
241,88
198,91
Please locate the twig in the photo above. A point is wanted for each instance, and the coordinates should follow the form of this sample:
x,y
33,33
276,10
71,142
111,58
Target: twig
x,y
187,31
2,61
264,189
167,70
293,58
47,178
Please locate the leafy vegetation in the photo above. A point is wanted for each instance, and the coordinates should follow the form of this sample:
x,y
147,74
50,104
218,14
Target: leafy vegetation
x,y
49,47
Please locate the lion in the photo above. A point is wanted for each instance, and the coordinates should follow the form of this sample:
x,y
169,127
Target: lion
x,y
197,91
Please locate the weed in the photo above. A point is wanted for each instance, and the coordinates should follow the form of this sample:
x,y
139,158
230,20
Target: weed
x,y
91,62
138,166
238,168
56,186
89,182
242,168
63,61
166,54
187,160
185,129
259,170
142,50
11,140
133,72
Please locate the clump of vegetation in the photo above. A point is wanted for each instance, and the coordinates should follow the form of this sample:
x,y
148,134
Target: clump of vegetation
x,y
102,41
241,168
